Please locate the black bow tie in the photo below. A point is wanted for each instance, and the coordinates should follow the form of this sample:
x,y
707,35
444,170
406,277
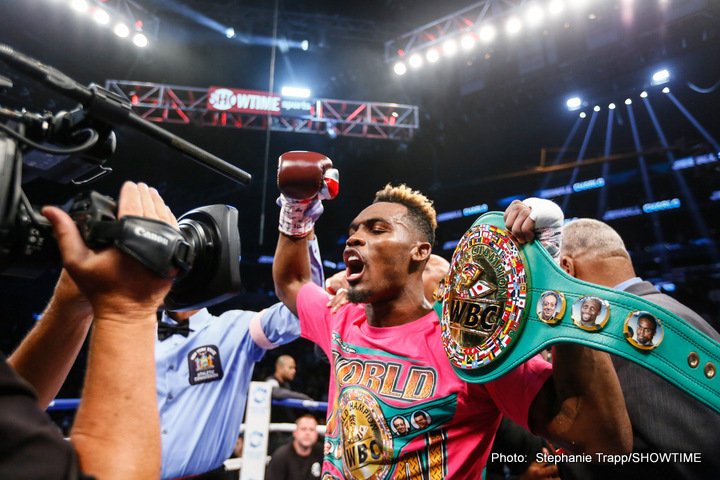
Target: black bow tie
x,y
166,330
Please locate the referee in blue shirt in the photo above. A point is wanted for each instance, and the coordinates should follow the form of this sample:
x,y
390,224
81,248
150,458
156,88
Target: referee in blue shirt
x,y
204,365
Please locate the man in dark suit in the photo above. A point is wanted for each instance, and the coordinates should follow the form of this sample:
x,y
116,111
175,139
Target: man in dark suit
x,y
663,418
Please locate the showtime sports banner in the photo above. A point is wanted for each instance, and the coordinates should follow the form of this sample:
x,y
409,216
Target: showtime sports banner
x,y
251,101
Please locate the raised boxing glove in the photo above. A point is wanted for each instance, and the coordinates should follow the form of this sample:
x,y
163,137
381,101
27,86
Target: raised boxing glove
x,y
304,178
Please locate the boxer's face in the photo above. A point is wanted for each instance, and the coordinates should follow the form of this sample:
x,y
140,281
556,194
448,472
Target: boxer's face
x,y
645,331
378,252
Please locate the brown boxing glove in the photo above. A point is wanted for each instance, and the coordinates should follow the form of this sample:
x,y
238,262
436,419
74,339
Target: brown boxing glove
x,y
304,178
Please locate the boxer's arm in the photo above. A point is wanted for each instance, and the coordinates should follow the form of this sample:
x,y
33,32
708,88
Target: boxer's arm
x,y
291,269
581,407
304,178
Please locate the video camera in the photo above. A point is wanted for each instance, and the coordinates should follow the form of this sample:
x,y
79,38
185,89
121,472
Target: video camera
x,y
74,147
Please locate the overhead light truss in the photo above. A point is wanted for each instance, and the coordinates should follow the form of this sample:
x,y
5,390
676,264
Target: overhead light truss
x,y
453,25
189,105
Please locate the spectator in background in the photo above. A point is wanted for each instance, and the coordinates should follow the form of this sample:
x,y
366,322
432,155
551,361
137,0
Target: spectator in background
x,y
116,434
300,459
663,417
285,370
238,448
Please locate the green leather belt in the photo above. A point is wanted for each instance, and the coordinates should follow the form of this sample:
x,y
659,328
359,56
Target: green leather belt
x,y
502,303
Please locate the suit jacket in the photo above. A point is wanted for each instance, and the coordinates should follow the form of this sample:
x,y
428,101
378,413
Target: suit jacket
x,y
663,417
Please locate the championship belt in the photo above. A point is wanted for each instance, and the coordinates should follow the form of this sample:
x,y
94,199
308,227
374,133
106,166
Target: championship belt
x,y
502,303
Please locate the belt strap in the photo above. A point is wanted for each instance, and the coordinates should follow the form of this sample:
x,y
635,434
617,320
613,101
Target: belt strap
x,y
492,318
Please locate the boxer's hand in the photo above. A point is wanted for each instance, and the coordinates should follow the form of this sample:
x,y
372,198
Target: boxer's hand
x,y
337,286
305,175
304,178
519,222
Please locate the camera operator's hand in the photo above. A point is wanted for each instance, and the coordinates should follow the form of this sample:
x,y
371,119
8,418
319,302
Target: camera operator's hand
x,y
109,278
117,428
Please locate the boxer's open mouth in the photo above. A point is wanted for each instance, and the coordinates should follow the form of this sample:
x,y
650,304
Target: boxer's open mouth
x,y
354,266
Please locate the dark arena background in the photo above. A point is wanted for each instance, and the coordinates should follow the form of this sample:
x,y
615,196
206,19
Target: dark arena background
x,y
609,108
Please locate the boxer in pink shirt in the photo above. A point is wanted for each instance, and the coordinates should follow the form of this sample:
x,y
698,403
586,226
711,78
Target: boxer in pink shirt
x,y
396,407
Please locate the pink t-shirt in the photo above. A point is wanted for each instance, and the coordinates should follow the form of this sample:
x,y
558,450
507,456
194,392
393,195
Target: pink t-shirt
x,y
396,407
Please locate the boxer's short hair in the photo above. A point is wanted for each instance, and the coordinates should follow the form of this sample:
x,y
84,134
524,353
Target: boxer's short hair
x,y
420,208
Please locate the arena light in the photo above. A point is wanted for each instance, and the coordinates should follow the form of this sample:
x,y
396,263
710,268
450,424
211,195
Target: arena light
x,y
400,68
487,33
513,26
534,15
556,7
304,45
611,106
140,40
415,60
121,30
296,92
450,47
80,6
596,108
432,55
229,32
643,94
583,115
101,17
660,77
467,42
628,101
573,103
666,90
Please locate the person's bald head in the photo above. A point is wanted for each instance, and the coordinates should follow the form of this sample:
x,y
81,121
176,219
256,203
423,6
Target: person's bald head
x,y
285,368
593,251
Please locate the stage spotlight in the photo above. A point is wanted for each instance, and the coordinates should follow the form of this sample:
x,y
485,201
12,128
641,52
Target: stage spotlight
x,y
297,92
140,40
101,17
331,130
432,55
80,6
573,103
666,90
611,106
596,108
121,30
229,32
643,94
660,77
415,60
582,115
513,25
487,33
399,68
449,47
556,7
304,45
534,15
628,101
467,42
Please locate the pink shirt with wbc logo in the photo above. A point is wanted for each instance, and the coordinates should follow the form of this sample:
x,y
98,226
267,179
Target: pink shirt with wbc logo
x,y
396,407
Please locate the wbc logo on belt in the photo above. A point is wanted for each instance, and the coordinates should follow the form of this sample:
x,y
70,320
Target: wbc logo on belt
x,y
483,297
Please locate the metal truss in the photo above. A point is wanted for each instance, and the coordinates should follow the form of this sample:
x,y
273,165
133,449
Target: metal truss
x,y
472,16
188,105
450,25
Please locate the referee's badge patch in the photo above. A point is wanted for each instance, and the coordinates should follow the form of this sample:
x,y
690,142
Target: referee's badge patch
x,y
204,365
